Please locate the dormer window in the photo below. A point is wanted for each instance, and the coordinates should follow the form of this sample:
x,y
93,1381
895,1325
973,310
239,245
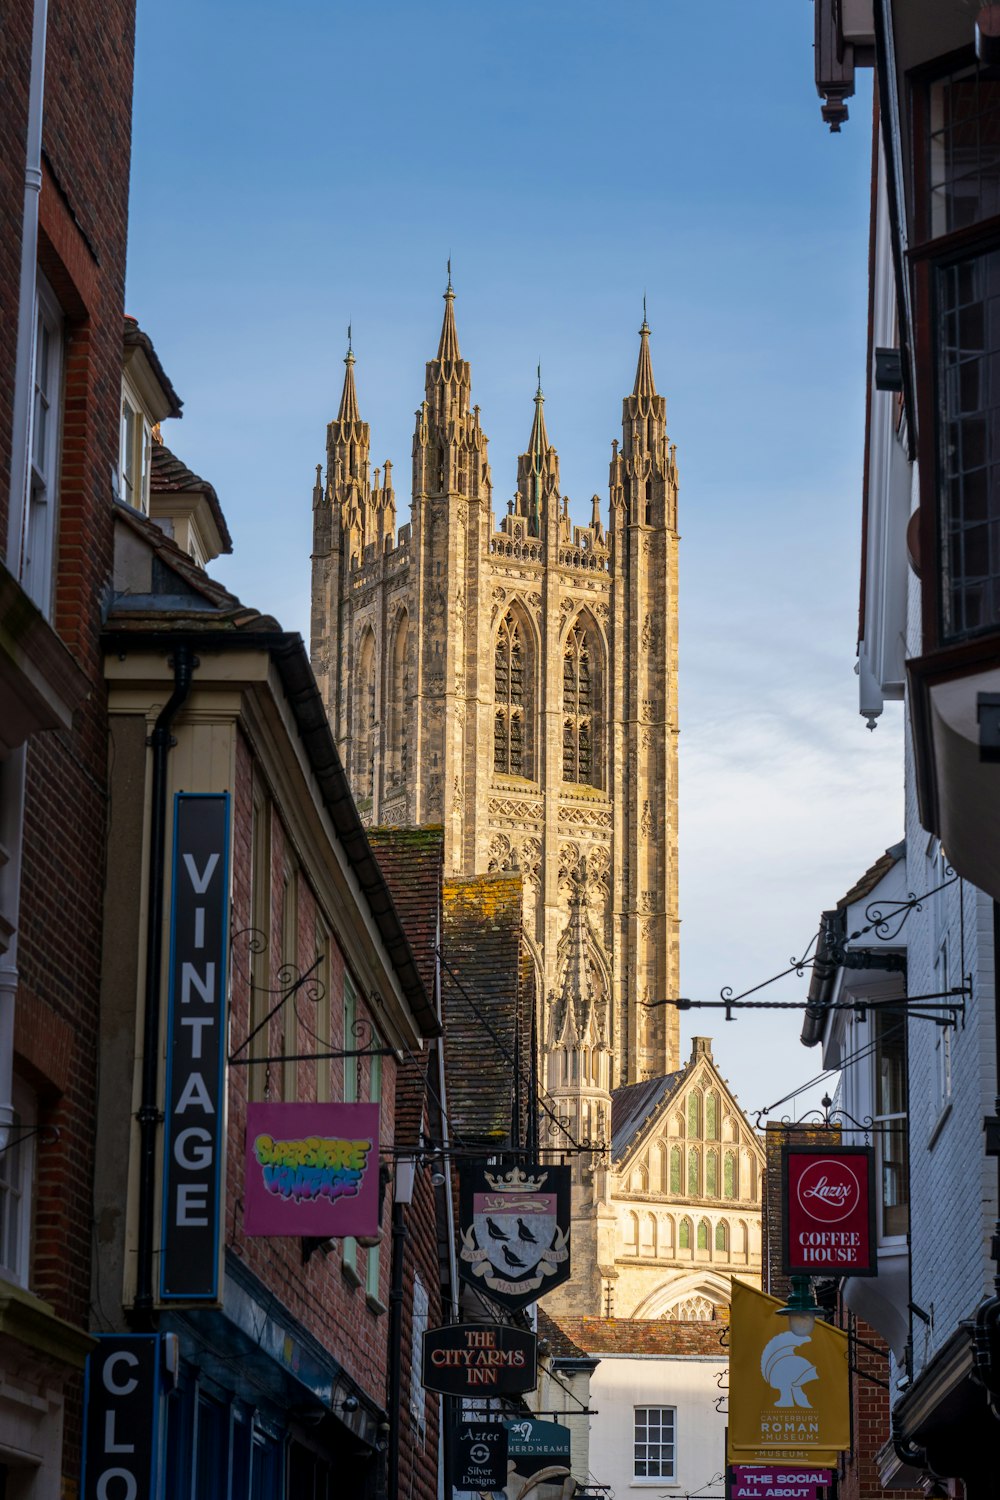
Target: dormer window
x,y
136,447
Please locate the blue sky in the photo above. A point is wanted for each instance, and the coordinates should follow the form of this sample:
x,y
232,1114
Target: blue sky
x,y
299,166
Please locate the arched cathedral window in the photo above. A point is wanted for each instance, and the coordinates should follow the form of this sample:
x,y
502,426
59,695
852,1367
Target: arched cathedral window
x,y
364,770
513,698
398,746
722,1237
729,1175
675,1169
712,1174
582,700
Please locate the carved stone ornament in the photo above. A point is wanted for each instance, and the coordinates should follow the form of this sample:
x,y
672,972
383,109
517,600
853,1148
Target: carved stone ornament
x,y
647,817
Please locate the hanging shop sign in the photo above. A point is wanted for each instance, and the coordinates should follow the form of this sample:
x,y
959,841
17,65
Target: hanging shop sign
x,y
312,1170
788,1389
479,1456
514,1231
475,1359
771,1483
539,1458
829,1202
121,1417
193,1137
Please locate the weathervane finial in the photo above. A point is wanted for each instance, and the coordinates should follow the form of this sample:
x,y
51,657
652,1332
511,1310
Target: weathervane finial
x,y
449,273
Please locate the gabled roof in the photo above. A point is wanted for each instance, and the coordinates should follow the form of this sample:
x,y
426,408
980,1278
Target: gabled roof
x,y
874,875
652,1336
489,1036
560,1343
637,1108
184,603
135,339
634,1104
169,476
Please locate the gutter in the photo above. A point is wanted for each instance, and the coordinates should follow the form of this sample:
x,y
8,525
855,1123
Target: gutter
x,y
25,352
288,653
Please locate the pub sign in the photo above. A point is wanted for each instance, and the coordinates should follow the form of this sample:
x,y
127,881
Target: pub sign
x,y
193,1132
829,1203
514,1231
480,1359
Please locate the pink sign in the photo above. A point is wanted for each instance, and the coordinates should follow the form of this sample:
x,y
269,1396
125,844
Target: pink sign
x,y
754,1483
311,1170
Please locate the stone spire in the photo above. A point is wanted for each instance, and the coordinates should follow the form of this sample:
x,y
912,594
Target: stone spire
x,y
448,384
645,385
538,443
538,471
349,397
448,346
348,444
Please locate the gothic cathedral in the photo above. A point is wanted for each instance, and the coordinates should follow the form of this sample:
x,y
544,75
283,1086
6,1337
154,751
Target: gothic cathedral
x,y
517,684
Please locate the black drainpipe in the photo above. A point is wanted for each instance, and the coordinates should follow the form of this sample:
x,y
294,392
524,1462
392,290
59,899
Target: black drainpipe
x,y
395,1337
149,1117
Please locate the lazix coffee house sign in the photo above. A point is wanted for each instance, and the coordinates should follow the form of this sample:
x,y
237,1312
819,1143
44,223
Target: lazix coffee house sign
x,y
829,1202
477,1359
196,1027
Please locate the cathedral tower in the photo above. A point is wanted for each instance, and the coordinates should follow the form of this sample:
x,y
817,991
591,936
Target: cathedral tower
x,y
515,681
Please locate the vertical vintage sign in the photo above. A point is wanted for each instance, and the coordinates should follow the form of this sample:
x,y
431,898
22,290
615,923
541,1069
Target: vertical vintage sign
x,y
829,1200
121,1417
193,1136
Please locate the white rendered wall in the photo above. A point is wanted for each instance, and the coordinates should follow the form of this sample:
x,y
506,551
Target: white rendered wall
x,y
622,1382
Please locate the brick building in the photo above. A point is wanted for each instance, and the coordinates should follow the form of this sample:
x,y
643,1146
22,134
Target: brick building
x,y
66,72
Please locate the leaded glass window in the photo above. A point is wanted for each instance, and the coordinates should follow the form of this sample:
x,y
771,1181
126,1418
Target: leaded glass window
x,y
712,1175
675,1169
512,684
729,1176
581,702
694,1175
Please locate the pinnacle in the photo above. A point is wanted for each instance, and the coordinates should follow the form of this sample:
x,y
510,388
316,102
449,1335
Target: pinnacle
x,y
349,398
448,349
538,443
645,385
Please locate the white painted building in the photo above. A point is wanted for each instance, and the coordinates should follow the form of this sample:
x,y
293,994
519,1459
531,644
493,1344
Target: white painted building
x,y
655,1392
915,935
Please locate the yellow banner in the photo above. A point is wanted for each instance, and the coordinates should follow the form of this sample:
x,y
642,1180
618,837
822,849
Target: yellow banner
x,y
788,1389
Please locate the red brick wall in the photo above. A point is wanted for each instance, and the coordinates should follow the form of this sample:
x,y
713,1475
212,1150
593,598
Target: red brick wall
x,y
870,1402
318,1294
83,213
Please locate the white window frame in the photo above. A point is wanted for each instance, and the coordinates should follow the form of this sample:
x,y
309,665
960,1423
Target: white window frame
x,y
421,1318
44,445
20,1155
641,1439
135,451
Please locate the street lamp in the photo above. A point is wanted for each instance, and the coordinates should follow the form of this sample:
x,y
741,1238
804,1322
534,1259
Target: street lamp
x,y
801,1309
